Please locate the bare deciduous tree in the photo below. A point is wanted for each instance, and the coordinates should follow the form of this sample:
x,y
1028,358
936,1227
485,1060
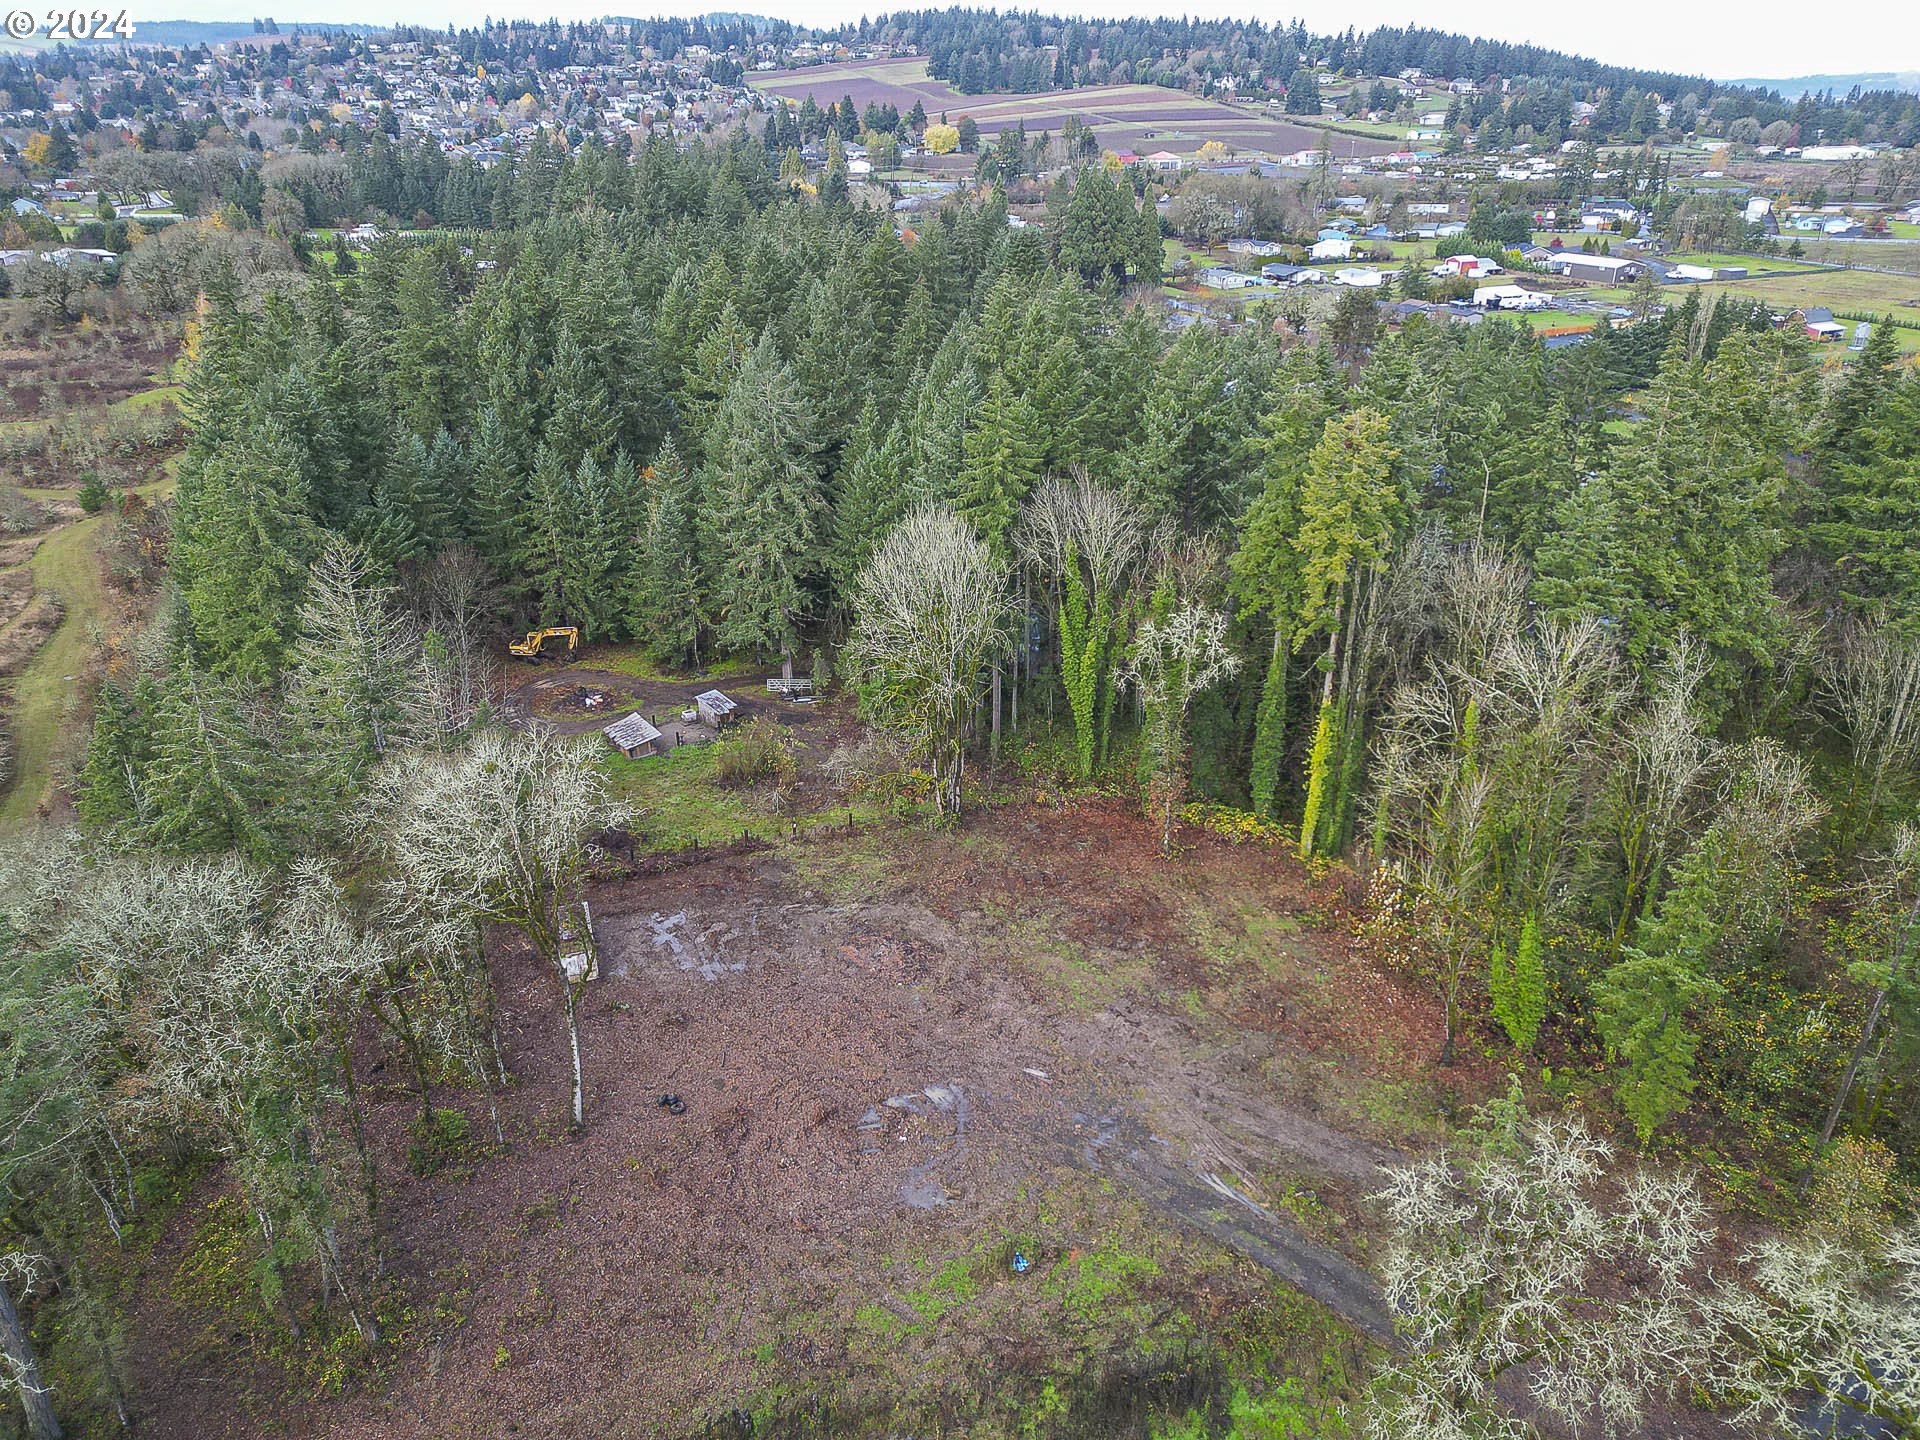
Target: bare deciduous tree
x,y
1083,540
1523,1267
1663,784
233,1012
1872,680
1503,1268
931,611
1487,763
1893,893
499,831
1815,1316
452,595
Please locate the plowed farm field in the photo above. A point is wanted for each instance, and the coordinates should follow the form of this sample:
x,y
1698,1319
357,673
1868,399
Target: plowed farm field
x,y
1120,114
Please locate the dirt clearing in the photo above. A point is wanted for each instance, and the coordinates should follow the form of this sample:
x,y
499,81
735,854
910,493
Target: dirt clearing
x,y
907,1064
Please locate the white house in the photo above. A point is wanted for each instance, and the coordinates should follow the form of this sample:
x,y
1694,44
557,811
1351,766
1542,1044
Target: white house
x,y
1359,277
1341,249
1507,297
1758,209
1164,160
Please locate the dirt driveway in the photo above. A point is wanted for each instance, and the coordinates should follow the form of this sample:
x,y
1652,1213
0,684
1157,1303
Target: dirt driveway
x,y
577,699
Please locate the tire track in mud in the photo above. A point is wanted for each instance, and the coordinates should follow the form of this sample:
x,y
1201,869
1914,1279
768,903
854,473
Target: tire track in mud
x,y
1118,1146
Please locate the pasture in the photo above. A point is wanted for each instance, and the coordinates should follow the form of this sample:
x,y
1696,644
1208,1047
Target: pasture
x,y
1128,116
1843,291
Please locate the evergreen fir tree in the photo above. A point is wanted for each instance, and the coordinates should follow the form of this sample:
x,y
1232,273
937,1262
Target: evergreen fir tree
x,y
667,601
1000,463
763,499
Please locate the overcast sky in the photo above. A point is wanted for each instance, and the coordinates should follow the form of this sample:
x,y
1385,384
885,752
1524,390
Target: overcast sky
x,y
1764,38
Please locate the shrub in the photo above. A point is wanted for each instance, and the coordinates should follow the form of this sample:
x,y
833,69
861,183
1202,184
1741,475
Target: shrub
x,y
757,751
875,761
93,493
437,1138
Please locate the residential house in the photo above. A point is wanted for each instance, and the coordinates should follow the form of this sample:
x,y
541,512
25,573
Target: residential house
x,y
1219,277
1337,248
1473,267
1507,297
1164,160
1359,277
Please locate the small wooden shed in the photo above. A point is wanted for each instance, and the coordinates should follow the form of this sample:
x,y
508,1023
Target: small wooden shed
x,y
715,709
633,736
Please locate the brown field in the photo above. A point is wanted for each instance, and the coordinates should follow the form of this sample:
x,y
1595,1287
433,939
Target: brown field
x,y
1129,115
903,1056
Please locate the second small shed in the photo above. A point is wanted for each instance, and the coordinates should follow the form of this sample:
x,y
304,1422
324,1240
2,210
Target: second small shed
x,y
715,709
633,736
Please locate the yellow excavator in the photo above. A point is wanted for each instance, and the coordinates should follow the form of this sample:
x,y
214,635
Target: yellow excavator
x,y
539,644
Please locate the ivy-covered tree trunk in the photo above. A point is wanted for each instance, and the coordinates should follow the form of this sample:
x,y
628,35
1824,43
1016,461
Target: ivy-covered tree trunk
x,y
1083,624
1270,726
1319,773
1323,761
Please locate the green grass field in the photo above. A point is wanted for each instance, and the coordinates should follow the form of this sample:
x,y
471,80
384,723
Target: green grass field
x,y
1901,254
148,399
67,566
1752,264
1856,291
1554,319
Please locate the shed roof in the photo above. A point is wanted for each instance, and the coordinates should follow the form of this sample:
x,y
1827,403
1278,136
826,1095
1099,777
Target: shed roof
x,y
631,733
714,700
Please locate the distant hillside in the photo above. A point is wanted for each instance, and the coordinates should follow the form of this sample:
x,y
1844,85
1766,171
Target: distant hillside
x,y
1839,84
